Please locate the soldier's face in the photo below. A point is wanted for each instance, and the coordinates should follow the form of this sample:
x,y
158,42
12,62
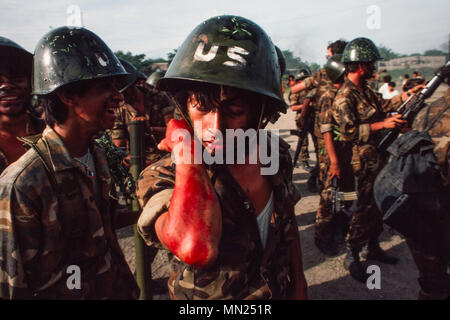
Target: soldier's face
x,y
368,70
95,109
14,93
231,114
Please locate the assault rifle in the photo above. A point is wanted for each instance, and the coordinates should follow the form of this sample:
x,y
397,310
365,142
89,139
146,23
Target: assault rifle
x,y
338,197
303,132
411,107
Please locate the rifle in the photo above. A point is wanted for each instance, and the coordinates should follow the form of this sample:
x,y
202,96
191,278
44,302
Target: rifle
x,y
303,133
338,197
411,107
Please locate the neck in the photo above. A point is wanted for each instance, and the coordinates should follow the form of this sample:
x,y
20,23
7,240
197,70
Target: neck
x,y
74,137
355,78
16,126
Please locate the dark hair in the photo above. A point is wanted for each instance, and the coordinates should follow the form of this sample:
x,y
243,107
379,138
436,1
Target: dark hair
x,y
391,84
337,47
351,67
387,78
209,95
406,76
55,111
291,76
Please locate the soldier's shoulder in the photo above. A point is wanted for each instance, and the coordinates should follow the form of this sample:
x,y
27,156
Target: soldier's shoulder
x,y
26,173
157,176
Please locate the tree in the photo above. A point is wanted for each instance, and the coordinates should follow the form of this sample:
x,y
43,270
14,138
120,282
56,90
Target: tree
x,y
434,52
171,55
387,53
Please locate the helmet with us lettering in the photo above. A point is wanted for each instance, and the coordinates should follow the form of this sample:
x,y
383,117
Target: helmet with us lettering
x,y
230,51
70,54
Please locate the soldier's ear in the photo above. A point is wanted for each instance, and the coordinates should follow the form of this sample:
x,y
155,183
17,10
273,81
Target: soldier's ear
x,y
67,97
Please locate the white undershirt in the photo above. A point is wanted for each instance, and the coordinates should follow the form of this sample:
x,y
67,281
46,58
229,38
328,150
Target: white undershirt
x,y
263,220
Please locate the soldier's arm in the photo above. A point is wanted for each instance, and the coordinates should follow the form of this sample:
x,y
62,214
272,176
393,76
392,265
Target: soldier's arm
x,y
192,226
326,128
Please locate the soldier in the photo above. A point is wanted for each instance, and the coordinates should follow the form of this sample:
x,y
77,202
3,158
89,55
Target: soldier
x,y
320,82
329,164
360,114
434,267
232,230
297,100
142,102
57,215
15,89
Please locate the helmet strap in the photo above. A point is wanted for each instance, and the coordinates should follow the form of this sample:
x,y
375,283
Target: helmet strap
x,y
260,121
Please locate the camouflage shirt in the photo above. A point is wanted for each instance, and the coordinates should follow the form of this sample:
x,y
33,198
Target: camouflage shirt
x,y
35,126
355,109
325,115
157,105
243,269
42,233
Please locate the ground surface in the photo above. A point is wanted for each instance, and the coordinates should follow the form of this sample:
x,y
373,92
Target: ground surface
x,y
326,277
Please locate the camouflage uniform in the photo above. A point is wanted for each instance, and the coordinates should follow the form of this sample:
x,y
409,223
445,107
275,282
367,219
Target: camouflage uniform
x,y
42,233
35,126
354,110
296,99
157,105
434,278
243,269
324,218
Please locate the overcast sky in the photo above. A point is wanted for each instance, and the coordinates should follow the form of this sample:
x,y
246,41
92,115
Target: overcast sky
x,y
303,26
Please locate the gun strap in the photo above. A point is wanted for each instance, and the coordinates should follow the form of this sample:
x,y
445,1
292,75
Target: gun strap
x,y
435,119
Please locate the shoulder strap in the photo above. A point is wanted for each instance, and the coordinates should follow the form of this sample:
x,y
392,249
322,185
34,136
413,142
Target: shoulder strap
x,y
435,119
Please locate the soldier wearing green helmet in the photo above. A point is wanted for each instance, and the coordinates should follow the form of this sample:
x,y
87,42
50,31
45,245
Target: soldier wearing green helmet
x,y
328,224
16,118
232,229
142,101
362,117
59,216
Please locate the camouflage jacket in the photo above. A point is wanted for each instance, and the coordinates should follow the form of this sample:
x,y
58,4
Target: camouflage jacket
x,y
439,133
354,110
326,121
320,81
35,126
243,269
157,105
43,232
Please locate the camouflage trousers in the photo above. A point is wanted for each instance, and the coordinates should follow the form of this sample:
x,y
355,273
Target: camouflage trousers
x,y
366,222
324,228
304,154
434,280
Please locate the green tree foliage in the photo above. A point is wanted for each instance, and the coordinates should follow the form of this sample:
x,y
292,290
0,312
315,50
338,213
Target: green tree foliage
x,y
388,53
294,63
434,52
139,61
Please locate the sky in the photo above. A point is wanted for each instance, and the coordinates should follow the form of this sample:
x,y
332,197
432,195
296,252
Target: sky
x,y
305,27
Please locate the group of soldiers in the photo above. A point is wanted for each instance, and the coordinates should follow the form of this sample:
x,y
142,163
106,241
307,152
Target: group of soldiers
x,y
232,230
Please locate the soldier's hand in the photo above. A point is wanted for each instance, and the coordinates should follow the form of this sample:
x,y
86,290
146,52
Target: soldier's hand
x,y
177,131
394,122
335,171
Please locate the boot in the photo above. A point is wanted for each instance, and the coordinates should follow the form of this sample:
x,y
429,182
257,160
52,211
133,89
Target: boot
x,y
376,253
354,266
306,165
328,248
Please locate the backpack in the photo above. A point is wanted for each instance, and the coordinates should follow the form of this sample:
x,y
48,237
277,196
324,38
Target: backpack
x,y
409,191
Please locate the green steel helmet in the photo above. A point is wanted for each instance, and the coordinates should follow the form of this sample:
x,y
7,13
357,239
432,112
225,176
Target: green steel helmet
x,y
335,67
7,44
303,73
361,50
231,51
154,78
130,78
69,54
281,60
